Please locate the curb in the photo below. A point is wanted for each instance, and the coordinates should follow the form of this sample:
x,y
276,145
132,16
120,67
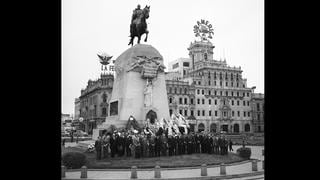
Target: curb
x,y
174,168
191,178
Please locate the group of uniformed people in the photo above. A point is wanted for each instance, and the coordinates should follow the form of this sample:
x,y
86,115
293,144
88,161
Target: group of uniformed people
x,y
139,145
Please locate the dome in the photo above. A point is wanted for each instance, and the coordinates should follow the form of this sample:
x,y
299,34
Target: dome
x,y
127,58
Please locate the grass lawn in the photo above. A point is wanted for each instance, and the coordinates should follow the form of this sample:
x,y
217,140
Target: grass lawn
x,y
163,161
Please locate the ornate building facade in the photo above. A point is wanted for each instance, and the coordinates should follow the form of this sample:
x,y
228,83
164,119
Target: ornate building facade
x,y
258,112
221,100
94,101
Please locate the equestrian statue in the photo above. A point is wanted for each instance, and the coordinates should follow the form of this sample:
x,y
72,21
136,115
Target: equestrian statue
x,y
138,25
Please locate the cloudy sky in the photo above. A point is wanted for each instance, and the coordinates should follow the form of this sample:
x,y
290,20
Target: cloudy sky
x,y
92,26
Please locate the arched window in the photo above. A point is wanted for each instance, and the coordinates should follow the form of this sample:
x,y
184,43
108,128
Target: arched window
x,y
213,128
201,127
185,101
247,128
170,100
236,128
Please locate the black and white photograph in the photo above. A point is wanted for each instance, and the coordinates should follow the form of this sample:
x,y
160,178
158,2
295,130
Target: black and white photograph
x,y
162,89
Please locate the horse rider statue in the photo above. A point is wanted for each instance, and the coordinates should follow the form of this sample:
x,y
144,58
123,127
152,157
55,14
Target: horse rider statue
x,y
138,24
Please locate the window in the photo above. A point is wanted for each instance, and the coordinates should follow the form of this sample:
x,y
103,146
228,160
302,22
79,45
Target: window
x,y
232,102
104,111
180,101
170,100
191,101
191,112
226,93
185,91
210,113
238,102
202,91
238,94
198,91
175,90
215,102
244,114
205,56
198,101
104,97
215,83
238,113
258,117
209,101
209,83
248,103
215,93
232,113
170,112
209,92
231,84
198,112
180,90
170,89
220,76
248,114
220,93
244,103
202,101
180,111
237,84
175,65
224,102
244,94
186,64
224,114
248,94
185,101
258,107
186,112
226,83
203,112
216,113
220,83
199,82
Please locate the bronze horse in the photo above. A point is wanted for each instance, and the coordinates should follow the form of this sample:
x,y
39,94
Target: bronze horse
x,y
139,26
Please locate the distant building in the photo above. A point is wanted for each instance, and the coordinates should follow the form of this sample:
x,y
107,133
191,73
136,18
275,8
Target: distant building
x,y
94,101
258,112
76,108
213,94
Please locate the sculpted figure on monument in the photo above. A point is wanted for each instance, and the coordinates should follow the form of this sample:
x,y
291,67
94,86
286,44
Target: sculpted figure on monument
x,y
138,24
148,93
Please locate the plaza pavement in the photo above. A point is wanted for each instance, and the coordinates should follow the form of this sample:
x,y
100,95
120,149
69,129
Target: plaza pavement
x,y
239,171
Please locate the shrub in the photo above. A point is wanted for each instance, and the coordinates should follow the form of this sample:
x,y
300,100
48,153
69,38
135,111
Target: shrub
x,y
74,160
244,152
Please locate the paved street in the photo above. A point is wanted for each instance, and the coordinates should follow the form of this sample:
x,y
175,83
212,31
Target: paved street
x,y
237,169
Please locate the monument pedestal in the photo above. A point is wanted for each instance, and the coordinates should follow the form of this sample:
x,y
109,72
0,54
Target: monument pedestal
x,y
139,89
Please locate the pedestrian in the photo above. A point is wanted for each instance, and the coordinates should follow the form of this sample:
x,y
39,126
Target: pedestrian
x,y
63,142
97,146
230,145
71,135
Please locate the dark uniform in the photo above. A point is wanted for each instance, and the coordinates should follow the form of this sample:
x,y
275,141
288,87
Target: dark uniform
x,y
98,146
157,146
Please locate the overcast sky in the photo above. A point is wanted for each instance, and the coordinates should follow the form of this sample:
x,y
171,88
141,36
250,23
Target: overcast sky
x,y
92,26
